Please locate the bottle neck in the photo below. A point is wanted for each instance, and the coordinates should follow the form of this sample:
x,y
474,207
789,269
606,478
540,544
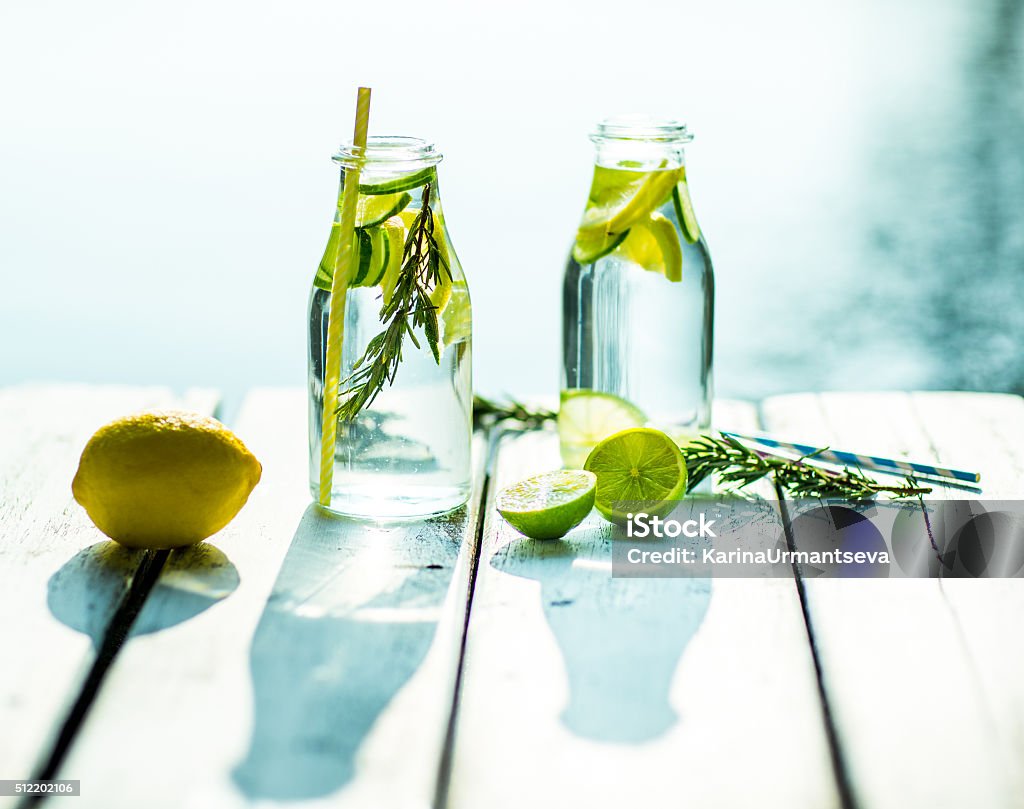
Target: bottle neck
x,y
638,155
392,165
379,175
640,143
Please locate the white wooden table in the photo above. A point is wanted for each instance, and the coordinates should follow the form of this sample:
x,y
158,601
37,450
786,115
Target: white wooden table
x,y
305,661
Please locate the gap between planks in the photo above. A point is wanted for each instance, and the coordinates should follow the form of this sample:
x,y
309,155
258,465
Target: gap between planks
x,y
213,679
903,642
44,427
551,636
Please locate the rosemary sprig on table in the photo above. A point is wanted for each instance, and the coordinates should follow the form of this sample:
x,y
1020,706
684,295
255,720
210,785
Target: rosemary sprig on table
x,y
487,412
409,308
736,464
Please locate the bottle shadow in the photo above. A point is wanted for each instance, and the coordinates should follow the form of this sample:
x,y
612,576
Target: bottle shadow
x,y
86,591
621,639
350,619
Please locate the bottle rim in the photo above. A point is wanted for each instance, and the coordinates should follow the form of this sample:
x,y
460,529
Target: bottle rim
x,y
389,151
638,127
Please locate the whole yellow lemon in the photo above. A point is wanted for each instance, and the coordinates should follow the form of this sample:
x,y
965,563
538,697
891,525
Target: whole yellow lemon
x,y
164,479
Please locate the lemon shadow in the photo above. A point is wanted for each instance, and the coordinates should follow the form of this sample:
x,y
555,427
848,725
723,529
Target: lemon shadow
x,y
85,593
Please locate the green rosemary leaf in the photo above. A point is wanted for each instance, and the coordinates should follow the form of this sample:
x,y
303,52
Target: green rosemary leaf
x,y
487,412
737,464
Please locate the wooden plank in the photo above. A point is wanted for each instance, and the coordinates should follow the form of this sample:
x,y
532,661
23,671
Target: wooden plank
x,y
913,725
324,678
60,579
985,433
584,690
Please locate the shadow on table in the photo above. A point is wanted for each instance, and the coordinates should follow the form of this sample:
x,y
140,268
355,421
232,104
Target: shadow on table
x,y
351,617
86,591
621,639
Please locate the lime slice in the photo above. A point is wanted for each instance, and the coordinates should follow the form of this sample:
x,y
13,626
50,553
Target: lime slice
x,y
440,295
371,247
396,258
588,416
618,207
362,247
594,244
380,253
406,183
394,231
548,506
325,272
373,210
654,245
684,210
457,319
637,470
409,216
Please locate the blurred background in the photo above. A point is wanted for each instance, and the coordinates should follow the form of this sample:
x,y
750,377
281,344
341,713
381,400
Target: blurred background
x,y
166,187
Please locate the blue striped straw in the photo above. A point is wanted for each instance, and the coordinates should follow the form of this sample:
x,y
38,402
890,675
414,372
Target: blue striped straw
x,y
864,461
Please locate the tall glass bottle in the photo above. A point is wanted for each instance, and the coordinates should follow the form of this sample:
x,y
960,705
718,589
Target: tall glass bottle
x,y
638,296
405,420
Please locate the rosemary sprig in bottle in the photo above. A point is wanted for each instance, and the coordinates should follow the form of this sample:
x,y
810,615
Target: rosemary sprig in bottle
x,y
737,466
408,309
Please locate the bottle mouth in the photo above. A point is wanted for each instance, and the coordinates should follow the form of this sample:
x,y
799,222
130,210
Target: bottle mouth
x,y
389,152
641,128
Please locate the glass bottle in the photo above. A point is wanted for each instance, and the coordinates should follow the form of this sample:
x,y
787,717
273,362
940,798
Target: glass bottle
x,y
638,295
406,451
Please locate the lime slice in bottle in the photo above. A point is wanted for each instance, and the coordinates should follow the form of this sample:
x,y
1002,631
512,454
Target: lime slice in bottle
x,y
610,183
548,506
585,417
404,183
442,292
373,210
615,210
594,244
325,272
371,252
457,320
395,228
409,216
362,248
654,245
637,470
684,210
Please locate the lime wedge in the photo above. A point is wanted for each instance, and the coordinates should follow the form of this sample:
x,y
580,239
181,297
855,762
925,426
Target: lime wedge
x,y
585,417
654,245
405,183
684,210
637,470
373,210
548,506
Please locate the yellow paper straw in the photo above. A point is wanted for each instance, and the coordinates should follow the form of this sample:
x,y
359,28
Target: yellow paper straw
x,y
339,291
